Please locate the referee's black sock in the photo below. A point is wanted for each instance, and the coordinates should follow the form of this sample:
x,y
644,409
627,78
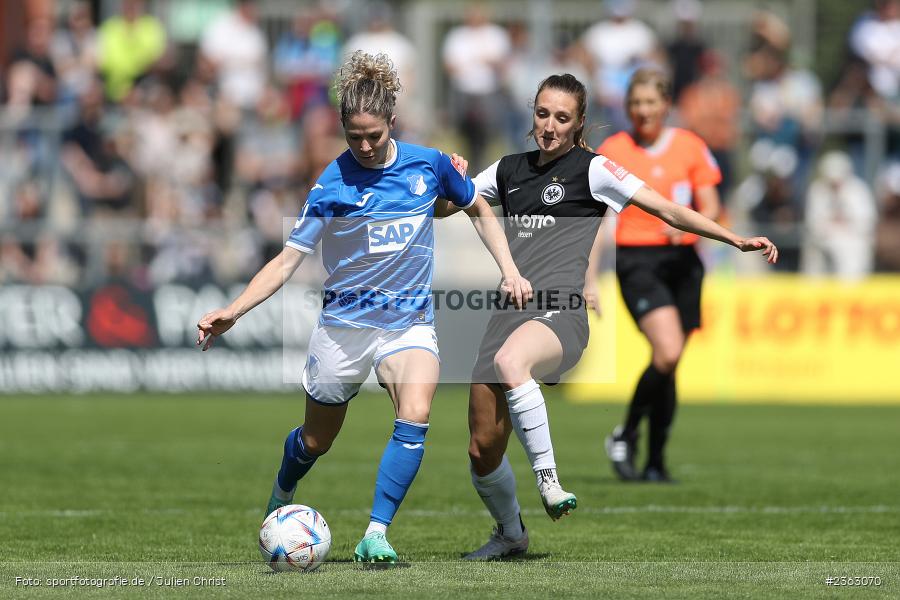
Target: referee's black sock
x,y
662,414
650,390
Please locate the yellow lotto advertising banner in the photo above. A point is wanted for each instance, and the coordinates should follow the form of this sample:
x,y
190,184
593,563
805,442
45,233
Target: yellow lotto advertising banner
x,y
771,339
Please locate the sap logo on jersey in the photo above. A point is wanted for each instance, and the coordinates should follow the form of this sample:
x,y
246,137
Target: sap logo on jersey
x,y
391,236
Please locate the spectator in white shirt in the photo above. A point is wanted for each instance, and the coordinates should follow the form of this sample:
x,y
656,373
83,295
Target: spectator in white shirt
x,y
237,48
615,48
840,221
474,56
380,36
876,40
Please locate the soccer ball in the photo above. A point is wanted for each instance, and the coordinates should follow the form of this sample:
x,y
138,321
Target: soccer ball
x,y
294,538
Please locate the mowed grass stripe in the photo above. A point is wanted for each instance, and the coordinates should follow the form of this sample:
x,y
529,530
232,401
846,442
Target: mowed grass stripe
x,y
168,480
460,512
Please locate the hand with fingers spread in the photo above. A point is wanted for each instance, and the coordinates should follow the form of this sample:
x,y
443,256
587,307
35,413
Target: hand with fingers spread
x,y
760,243
518,289
212,325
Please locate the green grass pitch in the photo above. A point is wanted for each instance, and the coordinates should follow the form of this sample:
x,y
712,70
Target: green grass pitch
x,y
773,499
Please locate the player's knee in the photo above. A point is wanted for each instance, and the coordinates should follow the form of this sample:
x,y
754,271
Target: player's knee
x,y
485,451
665,359
485,463
418,413
317,444
414,406
509,367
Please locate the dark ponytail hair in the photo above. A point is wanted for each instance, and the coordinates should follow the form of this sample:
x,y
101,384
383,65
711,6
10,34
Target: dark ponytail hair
x,y
568,83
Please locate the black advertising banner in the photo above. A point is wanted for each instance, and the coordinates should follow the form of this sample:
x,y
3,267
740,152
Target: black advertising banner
x,y
116,337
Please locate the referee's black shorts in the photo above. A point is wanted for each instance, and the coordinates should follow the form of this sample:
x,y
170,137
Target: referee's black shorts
x,y
570,327
655,276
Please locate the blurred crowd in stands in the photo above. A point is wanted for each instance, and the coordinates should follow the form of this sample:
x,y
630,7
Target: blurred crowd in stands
x,y
132,150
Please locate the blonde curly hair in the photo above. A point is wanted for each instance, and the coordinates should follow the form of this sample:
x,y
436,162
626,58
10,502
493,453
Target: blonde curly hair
x,y
367,84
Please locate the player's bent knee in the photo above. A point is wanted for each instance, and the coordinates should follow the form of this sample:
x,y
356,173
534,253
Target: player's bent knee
x,y
415,410
486,451
508,367
418,415
666,360
317,445
484,462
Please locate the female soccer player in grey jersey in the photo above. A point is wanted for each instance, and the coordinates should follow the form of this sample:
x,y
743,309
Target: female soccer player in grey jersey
x,y
563,178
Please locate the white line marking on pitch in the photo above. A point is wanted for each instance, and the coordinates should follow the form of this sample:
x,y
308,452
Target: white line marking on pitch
x,y
457,512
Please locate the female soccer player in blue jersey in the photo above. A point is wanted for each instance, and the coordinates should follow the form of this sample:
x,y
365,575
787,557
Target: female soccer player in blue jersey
x,y
372,210
566,188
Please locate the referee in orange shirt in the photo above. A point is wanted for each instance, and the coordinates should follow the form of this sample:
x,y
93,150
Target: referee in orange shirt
x,y
659,272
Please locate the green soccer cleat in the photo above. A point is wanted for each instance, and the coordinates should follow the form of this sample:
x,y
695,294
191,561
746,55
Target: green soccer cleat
x,y
557,502
374,548
275,502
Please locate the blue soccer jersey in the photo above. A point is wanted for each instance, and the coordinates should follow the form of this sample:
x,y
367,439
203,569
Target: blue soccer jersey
x,y
375,226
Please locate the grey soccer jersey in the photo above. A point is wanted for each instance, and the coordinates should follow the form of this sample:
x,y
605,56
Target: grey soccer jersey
x,y
552,211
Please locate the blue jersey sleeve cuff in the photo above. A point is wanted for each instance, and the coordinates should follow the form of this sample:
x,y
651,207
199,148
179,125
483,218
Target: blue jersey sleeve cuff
x,y
299,247
471,202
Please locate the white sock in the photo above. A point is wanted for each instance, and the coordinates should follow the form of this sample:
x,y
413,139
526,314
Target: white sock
x,y
528,414
498,492
546,475
375,526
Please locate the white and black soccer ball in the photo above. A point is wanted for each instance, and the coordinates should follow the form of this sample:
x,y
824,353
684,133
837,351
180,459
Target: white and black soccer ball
x,y
294,538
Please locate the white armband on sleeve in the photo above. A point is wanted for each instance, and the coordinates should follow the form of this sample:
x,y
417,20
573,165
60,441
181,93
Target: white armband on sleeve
x,y
612,184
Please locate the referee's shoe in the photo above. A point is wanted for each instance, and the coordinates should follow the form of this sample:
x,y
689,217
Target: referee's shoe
x,y
620,449
655,474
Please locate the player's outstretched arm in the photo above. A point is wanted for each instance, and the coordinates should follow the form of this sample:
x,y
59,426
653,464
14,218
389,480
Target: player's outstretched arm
x,y
491,233
266,282
706,202
685,219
